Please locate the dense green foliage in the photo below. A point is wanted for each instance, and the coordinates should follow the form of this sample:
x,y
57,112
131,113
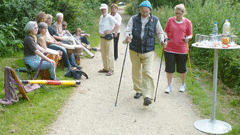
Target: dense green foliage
x,y
16,13
160,3
132,6
8,41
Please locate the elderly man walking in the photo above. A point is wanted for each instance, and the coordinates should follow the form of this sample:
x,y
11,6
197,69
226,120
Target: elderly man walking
x,y
143,28
107,26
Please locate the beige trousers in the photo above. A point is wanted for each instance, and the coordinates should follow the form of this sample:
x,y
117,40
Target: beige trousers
x,y
107,54
142,64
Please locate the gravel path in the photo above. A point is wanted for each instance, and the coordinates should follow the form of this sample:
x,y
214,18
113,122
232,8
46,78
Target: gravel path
x,y
91,111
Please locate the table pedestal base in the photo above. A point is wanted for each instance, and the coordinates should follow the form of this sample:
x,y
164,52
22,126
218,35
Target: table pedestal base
x,y
212,126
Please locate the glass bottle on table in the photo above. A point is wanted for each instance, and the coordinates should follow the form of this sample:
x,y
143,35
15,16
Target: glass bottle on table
x,y
226,33
214,35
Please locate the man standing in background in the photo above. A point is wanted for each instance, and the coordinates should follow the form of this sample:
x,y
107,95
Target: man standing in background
x,y
107,26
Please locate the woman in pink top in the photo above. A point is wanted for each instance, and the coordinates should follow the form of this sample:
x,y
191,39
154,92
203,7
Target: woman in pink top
x,y
179,30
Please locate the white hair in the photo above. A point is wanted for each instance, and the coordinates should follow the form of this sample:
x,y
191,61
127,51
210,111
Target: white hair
x,y
30,25
59,14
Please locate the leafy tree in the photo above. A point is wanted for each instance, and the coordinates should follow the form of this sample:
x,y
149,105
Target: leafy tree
x,y
16,13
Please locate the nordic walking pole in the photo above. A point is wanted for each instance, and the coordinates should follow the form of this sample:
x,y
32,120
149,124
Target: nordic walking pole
x,y
166,39
189,62
158,75
121,73
157,54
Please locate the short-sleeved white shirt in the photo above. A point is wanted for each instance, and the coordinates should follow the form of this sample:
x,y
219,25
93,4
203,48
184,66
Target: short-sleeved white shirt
x,y
106,23
118,18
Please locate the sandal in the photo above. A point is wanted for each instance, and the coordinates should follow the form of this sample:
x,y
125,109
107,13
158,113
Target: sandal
x,y
102,71
110,73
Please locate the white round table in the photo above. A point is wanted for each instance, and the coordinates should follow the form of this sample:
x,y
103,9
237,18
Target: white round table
x,y
213,126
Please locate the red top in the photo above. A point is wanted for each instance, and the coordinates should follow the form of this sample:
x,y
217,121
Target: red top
x,y
176,32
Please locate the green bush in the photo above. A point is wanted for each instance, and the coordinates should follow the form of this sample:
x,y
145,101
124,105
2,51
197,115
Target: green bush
x,y
132,7
78,13
16,13
20,11
203,14
159,3
8,42
14,16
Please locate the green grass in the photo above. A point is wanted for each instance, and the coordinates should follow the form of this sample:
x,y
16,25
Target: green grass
x,y
31,117
34,116
201,92
94,36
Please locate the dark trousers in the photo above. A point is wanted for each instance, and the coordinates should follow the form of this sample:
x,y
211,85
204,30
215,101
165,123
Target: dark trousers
x,y
115,41
85,40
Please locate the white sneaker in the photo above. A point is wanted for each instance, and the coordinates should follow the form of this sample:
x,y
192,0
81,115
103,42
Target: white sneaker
x,y
183,87
168,89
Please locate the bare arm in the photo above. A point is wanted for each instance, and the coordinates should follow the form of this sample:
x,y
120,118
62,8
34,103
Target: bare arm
x,y
42,42
44,57
51,51
41,49
52,41
57,37
83,35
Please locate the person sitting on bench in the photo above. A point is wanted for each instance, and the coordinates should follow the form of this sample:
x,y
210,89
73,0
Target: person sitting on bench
x,y
52,31
82,39
58,26
42,41
33,53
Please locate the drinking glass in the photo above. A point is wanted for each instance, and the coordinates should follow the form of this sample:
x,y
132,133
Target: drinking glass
x,y
212,40
220,40
197,38
233,40
205,40
201,40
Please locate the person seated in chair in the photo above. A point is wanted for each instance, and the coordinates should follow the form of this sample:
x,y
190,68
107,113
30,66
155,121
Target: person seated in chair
x,y
58,26
43,36
52,31
81,38
33,53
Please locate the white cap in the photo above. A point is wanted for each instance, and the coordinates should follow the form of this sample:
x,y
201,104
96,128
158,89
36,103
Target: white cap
x,y
104,6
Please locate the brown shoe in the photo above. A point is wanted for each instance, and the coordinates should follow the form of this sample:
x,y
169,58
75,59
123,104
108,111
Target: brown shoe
x,y
110,73
102,71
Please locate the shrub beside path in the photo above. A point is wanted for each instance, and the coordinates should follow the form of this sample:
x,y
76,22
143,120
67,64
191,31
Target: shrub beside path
x,y
91,111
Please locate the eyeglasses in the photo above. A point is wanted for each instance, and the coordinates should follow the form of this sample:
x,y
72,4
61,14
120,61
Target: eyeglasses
x,y
146,12
35,28
178,13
